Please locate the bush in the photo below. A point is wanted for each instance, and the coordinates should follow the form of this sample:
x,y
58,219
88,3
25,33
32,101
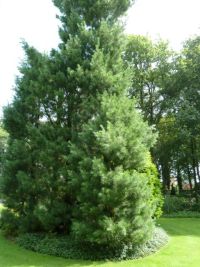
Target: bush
x,y
66,247
160,238
196,206
154,183
9,222
175,204
183,214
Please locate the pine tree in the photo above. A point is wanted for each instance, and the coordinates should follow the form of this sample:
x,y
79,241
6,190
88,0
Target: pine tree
x,y
34,175
78,159
112,179
109,160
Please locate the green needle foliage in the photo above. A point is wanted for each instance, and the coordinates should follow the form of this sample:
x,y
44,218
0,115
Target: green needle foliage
x,y
114,192
78,161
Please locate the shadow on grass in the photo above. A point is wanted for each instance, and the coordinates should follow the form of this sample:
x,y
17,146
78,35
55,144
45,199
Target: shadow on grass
x,y
181,226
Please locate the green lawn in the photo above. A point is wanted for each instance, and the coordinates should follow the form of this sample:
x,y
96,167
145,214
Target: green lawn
x,y
183,250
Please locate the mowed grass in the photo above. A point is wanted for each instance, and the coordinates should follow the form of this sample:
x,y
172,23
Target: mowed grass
x,y
183,250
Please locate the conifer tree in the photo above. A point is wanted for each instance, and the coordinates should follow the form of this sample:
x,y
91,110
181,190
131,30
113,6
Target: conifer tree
x,y
34,174
78,159
112,180
109,160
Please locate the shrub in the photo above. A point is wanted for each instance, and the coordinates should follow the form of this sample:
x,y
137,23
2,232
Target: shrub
x,y
195,206
154,183
67,247
174,204
160,238
183,214
9,222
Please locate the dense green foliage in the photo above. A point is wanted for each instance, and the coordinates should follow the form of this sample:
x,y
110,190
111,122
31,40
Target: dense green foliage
x,y
67,248
174,204
151,65
78,159
166,85
187,114
183,214
113,183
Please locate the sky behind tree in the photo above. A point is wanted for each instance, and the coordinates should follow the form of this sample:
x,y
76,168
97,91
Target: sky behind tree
x,y
35,21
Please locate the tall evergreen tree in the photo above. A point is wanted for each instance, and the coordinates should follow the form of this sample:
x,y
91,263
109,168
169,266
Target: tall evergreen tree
x,y
105,149
113,178
78,158
34,175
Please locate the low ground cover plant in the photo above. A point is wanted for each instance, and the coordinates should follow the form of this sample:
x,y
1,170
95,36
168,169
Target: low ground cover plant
x,y
66,247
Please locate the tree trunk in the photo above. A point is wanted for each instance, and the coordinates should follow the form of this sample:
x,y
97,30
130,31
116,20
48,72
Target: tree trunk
x,y
197,170
189,177
179,179
193,162
166,175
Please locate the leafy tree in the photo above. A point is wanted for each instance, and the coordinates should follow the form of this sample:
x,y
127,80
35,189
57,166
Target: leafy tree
x,y
177,150
186,107
152,66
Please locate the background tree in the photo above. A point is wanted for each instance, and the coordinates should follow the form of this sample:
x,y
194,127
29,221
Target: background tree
x,y
186,107
180,131
151,64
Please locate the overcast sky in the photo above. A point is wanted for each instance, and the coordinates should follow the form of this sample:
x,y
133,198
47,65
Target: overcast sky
x,y
34,20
